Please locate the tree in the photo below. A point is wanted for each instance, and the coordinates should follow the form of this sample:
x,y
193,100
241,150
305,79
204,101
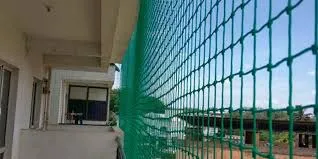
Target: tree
x,y
114,101
260,115
300,115
280,115
113,107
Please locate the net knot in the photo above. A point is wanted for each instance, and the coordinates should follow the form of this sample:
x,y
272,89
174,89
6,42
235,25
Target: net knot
x,y
231,46
231,78
253,32
289,61
289,10
232,14
242,6
269,23
223,23
222,80
216,29
269,67
230,110
222,52
290,110
241,40
241,73
253,72
217,2
254,110
314,49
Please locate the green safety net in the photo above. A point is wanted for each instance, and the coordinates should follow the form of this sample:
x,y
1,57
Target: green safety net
x,y
196,71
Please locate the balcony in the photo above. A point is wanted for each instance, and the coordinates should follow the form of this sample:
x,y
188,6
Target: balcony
x,y
39,37
69,141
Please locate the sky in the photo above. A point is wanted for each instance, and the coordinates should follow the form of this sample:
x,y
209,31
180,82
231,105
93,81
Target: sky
x,y
302,36
117,78
303,68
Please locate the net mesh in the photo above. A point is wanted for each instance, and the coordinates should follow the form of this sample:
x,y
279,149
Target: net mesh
x,y
220,79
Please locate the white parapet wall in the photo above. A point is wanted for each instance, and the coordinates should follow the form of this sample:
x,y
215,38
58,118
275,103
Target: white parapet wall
x,y
68,142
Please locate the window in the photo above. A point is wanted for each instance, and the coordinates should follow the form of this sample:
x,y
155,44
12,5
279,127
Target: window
x,y
91,102
97,94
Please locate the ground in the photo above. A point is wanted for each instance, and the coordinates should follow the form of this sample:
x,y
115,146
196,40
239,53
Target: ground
x,y
280,152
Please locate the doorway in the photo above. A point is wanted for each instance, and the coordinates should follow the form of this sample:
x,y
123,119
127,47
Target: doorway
x,y
36,104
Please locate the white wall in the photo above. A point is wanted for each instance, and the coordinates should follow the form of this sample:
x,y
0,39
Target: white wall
x,y
26,66
59,77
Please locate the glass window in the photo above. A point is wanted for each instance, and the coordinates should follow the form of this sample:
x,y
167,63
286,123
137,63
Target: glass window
x,y
78,92
97,94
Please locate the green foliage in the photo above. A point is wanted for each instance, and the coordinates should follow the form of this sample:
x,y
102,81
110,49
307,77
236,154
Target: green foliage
x,y
114,100
280,115
281,138
113,107
264,136
299,115
278,137
261,115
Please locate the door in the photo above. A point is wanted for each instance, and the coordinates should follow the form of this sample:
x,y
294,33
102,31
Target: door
x,y
36,104
5,76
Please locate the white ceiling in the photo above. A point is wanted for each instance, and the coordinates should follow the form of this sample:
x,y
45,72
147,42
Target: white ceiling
x,y
67,19
108,23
